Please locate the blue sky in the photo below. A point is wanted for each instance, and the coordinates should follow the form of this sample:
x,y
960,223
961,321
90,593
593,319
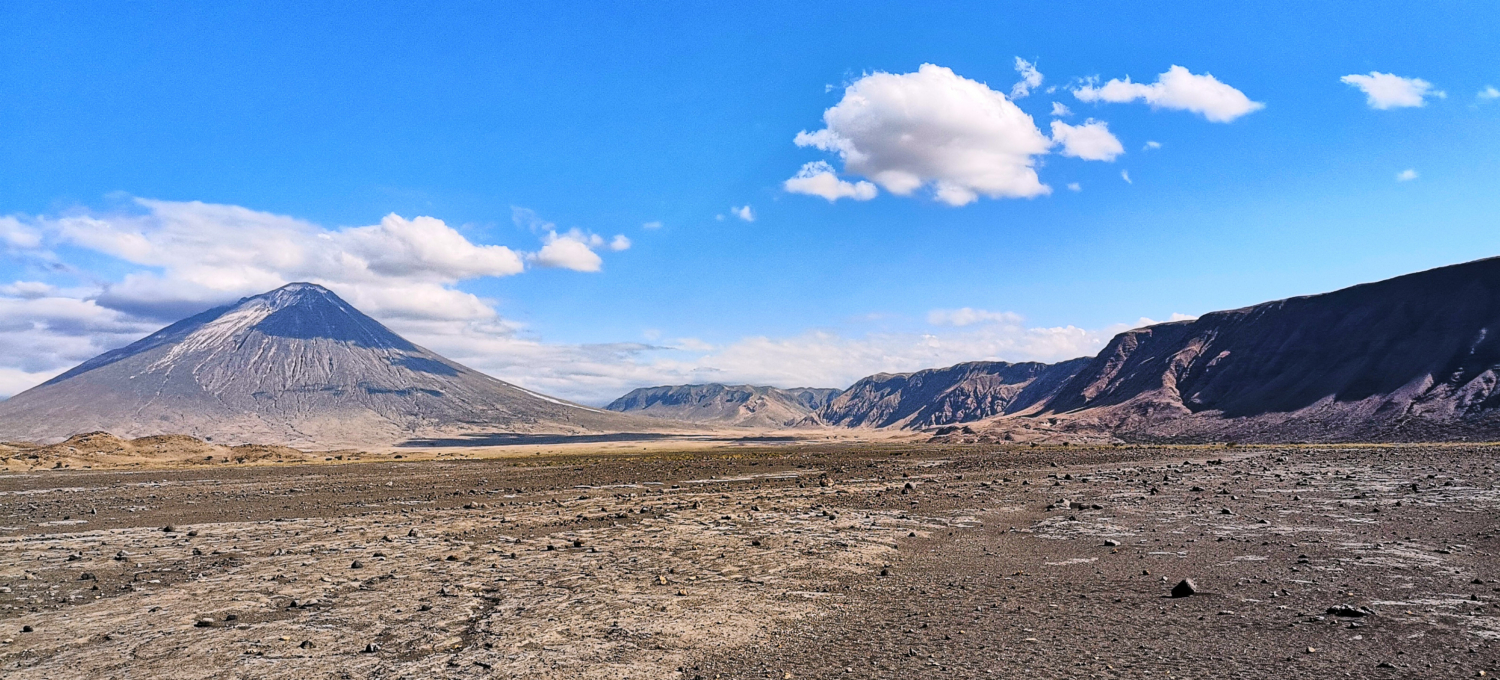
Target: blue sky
x,y
163,159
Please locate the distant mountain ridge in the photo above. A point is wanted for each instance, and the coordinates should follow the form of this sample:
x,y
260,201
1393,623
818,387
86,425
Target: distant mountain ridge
x,y
733,405
943,396
296,365
1412,358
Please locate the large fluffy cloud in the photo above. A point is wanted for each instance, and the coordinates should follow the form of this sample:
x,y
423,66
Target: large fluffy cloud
x,y
1390,91
934,129
198,254
1178,89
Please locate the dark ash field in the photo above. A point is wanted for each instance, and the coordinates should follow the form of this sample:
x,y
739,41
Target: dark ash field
x,y
771,562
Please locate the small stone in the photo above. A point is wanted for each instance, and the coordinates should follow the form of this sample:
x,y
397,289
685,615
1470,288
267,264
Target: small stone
x,y
356,564
307,644
1184,588
1312,650
372,648
1110,543
204,623
169,529
27,629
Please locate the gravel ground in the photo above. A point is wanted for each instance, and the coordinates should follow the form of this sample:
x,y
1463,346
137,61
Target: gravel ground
x,y
892,561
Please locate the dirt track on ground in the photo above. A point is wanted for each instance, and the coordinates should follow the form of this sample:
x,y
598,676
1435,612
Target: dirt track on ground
x,y
812,561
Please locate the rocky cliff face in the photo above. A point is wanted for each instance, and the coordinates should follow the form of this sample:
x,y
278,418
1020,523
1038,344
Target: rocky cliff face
x,y
942,396
1414,357
735,405
296,365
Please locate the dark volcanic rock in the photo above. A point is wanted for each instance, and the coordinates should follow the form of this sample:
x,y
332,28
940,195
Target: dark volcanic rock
x,y
941,396
1409,358
1185,588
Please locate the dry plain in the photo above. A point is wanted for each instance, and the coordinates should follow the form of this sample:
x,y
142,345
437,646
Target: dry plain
x,y
773,560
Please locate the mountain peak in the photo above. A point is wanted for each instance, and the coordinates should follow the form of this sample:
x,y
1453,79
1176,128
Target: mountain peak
x,y
293,365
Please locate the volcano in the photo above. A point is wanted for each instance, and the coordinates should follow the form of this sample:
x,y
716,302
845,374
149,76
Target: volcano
x,y
296,366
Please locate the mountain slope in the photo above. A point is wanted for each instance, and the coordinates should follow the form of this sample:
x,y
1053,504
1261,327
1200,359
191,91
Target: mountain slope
x,y
941,396
1414,357
297,365
736,405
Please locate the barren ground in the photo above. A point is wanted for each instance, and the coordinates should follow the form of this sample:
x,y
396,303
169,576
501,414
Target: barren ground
x,y
753,562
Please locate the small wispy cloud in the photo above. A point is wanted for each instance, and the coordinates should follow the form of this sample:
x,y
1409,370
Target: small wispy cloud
x,y
654,224
1406,175
1125,175
1489,92
743,212
1030,79
1074,186
1390,91
1151,145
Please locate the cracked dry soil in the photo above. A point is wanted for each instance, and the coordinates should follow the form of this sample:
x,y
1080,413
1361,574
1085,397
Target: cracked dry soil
x,y
804,562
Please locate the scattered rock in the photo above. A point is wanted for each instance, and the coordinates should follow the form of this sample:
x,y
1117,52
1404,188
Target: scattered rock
x,y
1185,588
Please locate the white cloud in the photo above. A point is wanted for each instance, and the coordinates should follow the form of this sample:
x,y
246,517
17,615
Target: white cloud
x,y
29,290
651,225
199,254
818,179
1390,91
1406,175
571,250
743,212
1489,92
1177,89
1074,186
17,235
1090,141
935,129
968,316
1125,175
43,335
1148,321
692,345
1030,79
1151,145
1060,110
